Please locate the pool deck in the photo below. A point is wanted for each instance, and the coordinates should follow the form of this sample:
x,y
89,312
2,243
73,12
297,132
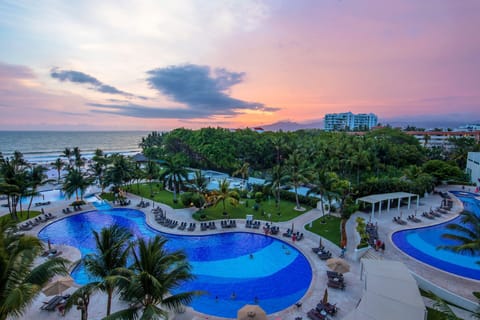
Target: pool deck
x,y
346,300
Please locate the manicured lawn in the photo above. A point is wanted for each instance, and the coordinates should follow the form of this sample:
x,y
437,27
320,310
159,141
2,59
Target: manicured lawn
x,y
266,211
159,194
22,215
329,230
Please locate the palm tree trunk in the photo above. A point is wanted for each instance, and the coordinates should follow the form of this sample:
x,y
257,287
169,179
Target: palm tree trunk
x,y
109,301
29,206
296,197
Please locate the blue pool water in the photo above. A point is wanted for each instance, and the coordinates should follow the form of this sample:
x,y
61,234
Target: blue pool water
x,y
278,275
422,243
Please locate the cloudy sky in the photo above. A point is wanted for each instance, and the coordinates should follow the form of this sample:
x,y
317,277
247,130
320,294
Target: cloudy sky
x,y
157,65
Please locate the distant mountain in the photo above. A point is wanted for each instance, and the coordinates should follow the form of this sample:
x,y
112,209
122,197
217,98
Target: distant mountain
x,y
292,126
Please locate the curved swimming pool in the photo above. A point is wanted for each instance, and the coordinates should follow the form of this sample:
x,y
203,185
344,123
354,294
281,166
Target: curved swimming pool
x,y
422,243
278,275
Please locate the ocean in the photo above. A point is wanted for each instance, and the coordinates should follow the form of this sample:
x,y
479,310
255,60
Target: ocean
x,y
46,146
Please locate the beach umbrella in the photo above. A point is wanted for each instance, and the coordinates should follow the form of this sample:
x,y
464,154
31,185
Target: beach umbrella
x,y
58,286
325,297
49,245
320,244
338,265
251,312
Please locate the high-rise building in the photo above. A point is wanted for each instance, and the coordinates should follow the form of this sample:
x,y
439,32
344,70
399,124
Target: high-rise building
x,y
348,121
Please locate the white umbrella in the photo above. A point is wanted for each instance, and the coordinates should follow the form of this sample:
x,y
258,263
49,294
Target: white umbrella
x,y
58,286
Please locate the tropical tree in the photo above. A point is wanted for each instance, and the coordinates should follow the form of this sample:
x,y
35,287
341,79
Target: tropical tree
x,y
466,234
278,179
36,177
81,299
174,175
156,273
322,185
243,171
67,153
79,162
15,176
21,280
298,172
58,165
76,181
224,194
110,257
120,171
98,167
151,172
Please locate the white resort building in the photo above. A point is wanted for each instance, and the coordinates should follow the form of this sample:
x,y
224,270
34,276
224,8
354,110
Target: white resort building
x,y
441,139
473,167
348,121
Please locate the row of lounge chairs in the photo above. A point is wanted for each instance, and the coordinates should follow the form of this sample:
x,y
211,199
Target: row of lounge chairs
x,y
208,225
228,224
273,230
143,204
44,203
252,224
414,219
399,221
36,221
124,203
75,208
55,302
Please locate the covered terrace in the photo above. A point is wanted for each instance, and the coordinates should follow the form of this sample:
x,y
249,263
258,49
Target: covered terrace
x,y
373,199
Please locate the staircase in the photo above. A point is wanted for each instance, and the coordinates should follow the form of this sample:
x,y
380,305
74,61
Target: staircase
x,y
372,254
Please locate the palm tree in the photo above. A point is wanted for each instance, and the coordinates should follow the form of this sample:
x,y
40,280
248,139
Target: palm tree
x,y
15,172
151,172
36,178
79,162
120,172
98,167
20,281
223,194
466,234
76,181
156,273
278,179
174,175
322,185
58,164
67,153
242,171
299,172
81,299
110,256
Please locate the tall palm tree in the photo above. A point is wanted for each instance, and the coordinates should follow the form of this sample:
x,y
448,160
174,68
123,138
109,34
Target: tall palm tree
x,y
110,256
79,162
14,171
120,171
21,280
98,167
298,172
67,153
223,194
37,177
156,273
243,171
278,179
76,181
174,175
58,165
151,172
466,234
81,299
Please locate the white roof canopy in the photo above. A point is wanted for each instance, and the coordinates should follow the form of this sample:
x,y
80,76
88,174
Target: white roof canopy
x,y
374,198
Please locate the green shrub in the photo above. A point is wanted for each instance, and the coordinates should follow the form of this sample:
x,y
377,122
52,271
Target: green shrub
x,y
186,199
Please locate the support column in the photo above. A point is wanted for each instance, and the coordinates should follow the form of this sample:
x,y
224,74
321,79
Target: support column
x,y
409,200
398,208
388,205
418,200
373,211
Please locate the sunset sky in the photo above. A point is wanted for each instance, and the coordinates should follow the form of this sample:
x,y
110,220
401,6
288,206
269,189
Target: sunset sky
x,y
157,65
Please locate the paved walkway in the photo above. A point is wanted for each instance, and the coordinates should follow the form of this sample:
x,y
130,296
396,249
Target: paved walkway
x,y
346,300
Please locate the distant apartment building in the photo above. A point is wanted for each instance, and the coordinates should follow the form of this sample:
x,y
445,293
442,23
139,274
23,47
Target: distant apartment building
x,y
468,127
473,167
348,121
441,139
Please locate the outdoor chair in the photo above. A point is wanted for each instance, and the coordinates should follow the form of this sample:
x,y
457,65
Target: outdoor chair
x,y
336,284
